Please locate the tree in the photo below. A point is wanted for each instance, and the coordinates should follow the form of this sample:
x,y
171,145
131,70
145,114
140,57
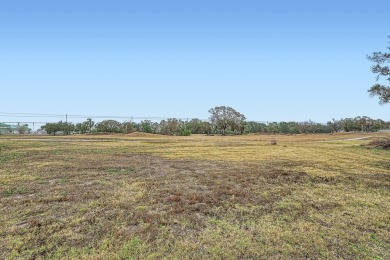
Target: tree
x,y
173,126
238,124
66,128
90,123
23,129
335,125
350,124
146,126
85,127
109,126
208,128
223,117
255,127
128,127
196,126
53,128
382,70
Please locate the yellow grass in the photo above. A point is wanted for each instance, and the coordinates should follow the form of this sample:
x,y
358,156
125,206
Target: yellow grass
x,y
143,196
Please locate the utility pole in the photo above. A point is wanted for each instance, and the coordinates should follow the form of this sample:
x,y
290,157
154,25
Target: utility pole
x,y
66,118
90,124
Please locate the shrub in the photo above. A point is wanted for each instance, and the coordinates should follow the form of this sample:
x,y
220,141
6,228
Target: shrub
x,y
185,132
383,143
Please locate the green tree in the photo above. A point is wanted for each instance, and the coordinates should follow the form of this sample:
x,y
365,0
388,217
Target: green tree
x,y
196,126
90,124
237,123
208,128
23,129
256,127
349,124
109,126
64,127
174,126
146,126
51,128
85,127
335,125
273,127
379,124
128,127
382,70
223,117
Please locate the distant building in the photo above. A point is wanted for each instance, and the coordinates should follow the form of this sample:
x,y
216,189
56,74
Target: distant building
x,y
7,129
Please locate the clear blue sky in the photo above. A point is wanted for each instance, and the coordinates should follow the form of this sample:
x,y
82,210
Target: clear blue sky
x,y
271,60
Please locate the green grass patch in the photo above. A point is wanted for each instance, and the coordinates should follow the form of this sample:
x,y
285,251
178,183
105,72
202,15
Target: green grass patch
x,y
17,191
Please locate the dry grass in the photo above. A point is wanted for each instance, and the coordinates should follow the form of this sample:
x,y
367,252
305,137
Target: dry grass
x,y
138,196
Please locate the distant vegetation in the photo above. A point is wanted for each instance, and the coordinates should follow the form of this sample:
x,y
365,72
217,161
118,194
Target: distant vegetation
x,y
224,120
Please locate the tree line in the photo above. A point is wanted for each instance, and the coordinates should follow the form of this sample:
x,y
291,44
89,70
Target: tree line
x,y
363,124
223,120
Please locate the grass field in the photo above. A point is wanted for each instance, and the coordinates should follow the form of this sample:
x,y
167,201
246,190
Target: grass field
x,y
199,197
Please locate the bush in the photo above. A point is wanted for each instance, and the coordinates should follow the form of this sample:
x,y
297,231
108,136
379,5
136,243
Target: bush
x,y
185,132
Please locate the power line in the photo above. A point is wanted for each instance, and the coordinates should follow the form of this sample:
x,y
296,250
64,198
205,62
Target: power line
x,y
7,114
20,122
29,115
10,113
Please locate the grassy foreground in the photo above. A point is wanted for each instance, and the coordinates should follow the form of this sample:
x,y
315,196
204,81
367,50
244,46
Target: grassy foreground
x,y
145,196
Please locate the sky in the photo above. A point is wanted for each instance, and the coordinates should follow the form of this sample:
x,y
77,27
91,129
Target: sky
x,y
278,60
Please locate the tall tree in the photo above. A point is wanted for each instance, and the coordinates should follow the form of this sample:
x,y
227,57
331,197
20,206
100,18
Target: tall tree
x,y
65,127
223,117
382,70
90,124
109,126
146,126
51,128
84,127
128,127
23,129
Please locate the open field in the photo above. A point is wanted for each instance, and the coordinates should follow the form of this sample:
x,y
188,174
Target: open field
x,y
143,196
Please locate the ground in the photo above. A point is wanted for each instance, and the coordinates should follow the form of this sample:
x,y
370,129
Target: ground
x,y
144,196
